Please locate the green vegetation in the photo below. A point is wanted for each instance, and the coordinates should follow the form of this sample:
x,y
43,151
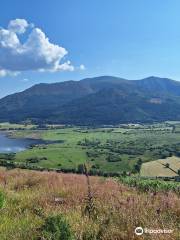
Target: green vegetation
x,y
2,200
56,228
53,206
108,150
146,185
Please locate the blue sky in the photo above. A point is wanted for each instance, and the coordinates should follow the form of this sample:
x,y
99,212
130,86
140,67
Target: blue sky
x,y
130,39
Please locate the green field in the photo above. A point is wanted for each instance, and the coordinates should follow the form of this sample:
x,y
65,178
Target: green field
x,y
110,149
15,126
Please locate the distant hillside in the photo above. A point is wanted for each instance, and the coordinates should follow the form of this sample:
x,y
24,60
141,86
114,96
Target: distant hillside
x,y
99,100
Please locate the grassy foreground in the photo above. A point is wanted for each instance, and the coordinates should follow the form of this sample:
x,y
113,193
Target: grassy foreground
x,y
48,205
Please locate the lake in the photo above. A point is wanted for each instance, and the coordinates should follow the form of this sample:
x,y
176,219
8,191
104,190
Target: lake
x,y
8,145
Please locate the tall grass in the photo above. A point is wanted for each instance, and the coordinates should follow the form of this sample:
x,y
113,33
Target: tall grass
x,y
33,197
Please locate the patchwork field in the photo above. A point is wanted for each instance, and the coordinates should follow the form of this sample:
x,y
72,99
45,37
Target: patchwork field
x,y
105,150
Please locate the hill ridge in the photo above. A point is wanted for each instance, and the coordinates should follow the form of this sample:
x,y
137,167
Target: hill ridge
x,y
99,100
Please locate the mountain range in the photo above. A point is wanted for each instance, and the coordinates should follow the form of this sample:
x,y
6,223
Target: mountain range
x,y
95,101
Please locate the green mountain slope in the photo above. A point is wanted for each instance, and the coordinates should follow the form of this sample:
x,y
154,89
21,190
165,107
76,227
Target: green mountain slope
x,y
100,100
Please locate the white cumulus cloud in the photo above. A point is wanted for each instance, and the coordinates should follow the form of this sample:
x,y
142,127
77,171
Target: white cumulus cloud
x,y
37,53
18,25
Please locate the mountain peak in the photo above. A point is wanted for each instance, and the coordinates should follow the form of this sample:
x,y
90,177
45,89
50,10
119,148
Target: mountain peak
x,y
104,78
99,100
155,78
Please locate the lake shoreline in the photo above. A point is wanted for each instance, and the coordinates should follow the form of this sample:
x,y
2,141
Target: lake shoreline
x,y
29,142
8,144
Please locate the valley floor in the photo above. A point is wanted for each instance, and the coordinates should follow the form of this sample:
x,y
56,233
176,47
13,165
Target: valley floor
x,y
107,150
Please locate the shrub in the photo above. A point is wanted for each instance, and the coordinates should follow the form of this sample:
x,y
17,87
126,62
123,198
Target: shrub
x,y
151,185
113,158
32,160
57,228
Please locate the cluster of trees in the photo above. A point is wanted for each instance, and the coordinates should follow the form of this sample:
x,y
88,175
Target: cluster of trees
x,y
7,156
79,170
111,157
139,149
93,171
35,159
89,143
92,154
